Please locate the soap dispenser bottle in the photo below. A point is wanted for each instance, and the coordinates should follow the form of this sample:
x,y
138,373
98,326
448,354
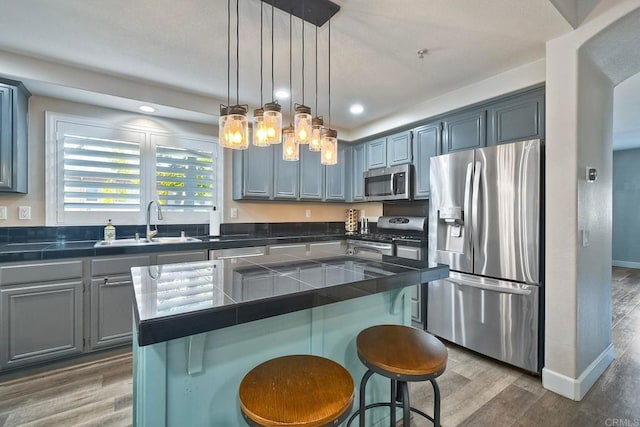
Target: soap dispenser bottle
x,y
109,232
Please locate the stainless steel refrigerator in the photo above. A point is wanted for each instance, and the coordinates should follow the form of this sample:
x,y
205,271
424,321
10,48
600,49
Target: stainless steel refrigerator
x,y
485,222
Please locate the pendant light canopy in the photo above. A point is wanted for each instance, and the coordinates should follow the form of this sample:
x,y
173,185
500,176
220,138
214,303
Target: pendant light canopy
x,y
329,143
234,125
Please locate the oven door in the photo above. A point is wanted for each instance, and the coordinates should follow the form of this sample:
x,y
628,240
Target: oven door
x,y
355,247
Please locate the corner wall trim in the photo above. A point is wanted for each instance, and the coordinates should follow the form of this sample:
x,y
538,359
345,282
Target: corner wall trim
x,y
627,264
576,389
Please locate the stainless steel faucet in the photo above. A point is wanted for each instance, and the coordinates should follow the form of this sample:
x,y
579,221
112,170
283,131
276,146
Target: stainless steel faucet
x,y
150,232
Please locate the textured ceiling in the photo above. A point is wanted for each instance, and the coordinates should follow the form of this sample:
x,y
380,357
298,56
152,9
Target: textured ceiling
x,y
169,45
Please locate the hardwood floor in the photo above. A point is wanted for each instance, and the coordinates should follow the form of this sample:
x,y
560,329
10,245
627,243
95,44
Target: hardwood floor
x,y
475,391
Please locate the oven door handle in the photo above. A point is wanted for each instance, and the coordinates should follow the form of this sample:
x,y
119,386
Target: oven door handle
x,y
393,183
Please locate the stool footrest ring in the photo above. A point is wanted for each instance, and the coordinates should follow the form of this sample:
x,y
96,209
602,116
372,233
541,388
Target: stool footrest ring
x,y
387,404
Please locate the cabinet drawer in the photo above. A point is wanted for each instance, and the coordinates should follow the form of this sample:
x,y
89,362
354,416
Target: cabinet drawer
x,y
118,265
44,272
238,252
333,247
300,249
181,257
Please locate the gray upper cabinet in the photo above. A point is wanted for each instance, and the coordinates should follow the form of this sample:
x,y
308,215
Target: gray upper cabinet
x,y
285,176
253,173
311,175
464,131
399,148
377,153
358,166
336,177
426,144
13,136
517,118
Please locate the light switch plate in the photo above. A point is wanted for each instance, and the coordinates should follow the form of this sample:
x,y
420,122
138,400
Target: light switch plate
x,y
24,212
3,212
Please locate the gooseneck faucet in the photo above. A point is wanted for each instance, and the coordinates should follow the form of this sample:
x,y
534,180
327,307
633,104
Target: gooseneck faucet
x,y
150,232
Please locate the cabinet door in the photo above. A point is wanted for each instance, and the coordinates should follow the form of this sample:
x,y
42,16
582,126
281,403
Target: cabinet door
x,y
399,149
425,145
253,173
464,131
285,176
516,119
40,322
377,153
416,303
336,177
111,311
6,140
311,175
359,166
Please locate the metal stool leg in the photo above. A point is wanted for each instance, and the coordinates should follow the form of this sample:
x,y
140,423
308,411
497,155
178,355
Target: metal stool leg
x,y
436,403
363,388
406,407
394,391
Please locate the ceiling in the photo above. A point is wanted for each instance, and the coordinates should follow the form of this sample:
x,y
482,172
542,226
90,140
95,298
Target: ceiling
x,y
181,47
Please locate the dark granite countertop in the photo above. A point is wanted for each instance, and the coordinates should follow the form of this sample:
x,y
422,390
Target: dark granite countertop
x,y
178,300
16,252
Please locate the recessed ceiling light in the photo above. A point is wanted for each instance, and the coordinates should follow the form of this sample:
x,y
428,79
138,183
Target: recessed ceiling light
x,y
147,108
356,109
282,94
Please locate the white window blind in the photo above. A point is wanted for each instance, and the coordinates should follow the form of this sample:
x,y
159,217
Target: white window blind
x,y
185,178
101,174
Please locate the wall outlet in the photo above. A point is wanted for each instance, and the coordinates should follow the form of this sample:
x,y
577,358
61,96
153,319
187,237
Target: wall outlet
x,y
307,213
24,212
234,212
3,212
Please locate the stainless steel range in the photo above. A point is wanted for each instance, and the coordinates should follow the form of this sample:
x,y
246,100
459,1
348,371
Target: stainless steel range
x,y
401,236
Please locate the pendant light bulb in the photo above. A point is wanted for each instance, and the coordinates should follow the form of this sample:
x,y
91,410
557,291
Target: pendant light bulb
x,y
302,124
259,129
273,122
329,150
290,149
315,143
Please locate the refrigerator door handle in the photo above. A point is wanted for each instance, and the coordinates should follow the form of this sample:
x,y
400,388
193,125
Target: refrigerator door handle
x,y
476,192
516,290
467,206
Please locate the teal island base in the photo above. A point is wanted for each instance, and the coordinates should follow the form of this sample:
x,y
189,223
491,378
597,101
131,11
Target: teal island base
x,y
193,381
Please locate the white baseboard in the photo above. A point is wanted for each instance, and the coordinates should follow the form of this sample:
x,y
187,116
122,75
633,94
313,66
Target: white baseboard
x,y
576,389
627,264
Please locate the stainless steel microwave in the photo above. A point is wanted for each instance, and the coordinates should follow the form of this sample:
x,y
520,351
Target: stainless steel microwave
x,y
393,183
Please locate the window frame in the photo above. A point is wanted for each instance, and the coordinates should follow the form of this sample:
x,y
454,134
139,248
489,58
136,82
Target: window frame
x,y
54,178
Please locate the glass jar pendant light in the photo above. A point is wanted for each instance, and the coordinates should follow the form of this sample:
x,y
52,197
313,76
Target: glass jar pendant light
x,y
302,119
234,125
272,110
259,130
315,143
329,144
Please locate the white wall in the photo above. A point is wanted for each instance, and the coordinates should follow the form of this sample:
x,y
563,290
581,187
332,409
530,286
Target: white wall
x,y
579,106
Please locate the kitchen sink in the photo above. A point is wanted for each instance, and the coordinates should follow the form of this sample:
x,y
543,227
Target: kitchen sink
x,y
142,242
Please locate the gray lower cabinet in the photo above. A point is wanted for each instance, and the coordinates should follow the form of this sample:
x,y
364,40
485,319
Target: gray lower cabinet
x,y
13,136
517,118
426,144
291,249
464,131
358,166
111,311
329,247
253,173
312,174
285,176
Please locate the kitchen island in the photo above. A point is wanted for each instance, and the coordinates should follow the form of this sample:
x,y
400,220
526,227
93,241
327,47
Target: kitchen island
x,y
200,327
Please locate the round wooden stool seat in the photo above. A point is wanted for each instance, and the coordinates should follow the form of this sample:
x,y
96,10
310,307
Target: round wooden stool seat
x,y
396,350
298,390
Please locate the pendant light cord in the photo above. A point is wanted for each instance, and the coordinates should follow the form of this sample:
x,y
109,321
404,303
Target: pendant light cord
x,y
237,52
317,71
273,90
228,52
329,80
302,52
290,60
261,54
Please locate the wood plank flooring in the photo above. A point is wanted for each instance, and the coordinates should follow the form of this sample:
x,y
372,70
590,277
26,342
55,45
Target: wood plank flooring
x,y
475,391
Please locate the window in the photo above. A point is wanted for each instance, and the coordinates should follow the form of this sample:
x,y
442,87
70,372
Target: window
x,y
97,171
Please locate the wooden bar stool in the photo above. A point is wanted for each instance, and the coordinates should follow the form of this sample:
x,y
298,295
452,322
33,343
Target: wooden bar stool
x,y
402,354
298,390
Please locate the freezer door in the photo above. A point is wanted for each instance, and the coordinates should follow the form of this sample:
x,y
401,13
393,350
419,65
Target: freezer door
x,y
506,211
496,318
451,177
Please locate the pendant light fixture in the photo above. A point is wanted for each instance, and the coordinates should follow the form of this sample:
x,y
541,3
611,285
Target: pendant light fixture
x,y
302,119
234,126
259,129
290,148
329,149
272,112
315,143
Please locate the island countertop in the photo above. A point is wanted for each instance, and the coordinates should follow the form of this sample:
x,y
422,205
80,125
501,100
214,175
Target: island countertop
x,y
179,300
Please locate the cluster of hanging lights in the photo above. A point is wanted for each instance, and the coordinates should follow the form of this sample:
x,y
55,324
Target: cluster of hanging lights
x,y
267,119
